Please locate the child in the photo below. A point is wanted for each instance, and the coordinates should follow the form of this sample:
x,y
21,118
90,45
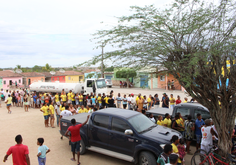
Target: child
x,y
164,157
42,151
51,108
160,121
181,149
45,111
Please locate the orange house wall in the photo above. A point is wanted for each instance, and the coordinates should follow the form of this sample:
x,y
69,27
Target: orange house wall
x,y
34,79
163,84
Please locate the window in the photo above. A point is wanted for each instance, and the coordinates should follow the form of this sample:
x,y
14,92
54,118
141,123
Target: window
x,y
4,82
20,81
205,114
69,78
119,125
57,78
162,78
101,121
184,111
89,83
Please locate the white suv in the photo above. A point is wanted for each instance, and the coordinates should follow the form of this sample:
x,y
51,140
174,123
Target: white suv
x,y
108,83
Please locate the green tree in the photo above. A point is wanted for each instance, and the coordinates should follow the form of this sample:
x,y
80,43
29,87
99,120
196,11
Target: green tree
x,y
47,68
195,41
109,69
126,73
37,68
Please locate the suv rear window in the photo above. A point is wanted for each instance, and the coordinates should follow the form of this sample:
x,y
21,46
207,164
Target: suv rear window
x,y
205,114
101,121
184,111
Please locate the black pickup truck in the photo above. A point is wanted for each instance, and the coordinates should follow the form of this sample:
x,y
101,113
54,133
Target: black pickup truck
x,y
124,134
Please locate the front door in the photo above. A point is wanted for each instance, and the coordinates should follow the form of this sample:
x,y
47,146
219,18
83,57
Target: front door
x,y
90,85
118,141
29,81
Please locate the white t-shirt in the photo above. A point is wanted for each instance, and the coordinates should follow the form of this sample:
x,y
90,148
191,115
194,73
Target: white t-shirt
x,y
119,99
57,109
206,136
153,119
66,113
128,99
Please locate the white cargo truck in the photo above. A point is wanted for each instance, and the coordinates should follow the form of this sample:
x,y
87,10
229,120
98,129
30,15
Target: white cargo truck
x,y
90,85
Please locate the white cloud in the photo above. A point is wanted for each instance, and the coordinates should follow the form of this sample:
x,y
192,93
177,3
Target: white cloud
x,y
35,32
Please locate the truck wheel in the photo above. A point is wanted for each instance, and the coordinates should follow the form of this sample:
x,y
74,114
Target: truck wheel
x,y
147,158
82,147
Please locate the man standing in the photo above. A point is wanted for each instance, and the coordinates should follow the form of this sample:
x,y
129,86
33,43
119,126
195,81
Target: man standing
x,y
20,153
118,99
132,102
198,125
75,137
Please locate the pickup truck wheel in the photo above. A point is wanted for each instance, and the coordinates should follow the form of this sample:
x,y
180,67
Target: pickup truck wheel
x,y
82,147
147,158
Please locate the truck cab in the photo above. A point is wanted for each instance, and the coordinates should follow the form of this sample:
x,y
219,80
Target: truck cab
x,y
95,86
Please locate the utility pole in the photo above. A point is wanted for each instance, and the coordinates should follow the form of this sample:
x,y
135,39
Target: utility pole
x,y
102,71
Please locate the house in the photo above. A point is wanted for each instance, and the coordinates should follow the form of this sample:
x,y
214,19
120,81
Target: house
x,y
10,78
59,76
32,77
164,78
108,75
0,82
47,76
74,76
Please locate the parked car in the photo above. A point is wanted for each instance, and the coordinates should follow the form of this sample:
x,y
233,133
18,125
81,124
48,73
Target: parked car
x,y
185,109
108,83
124,134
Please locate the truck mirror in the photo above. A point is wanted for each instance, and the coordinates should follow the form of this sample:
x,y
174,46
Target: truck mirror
x,y
128,132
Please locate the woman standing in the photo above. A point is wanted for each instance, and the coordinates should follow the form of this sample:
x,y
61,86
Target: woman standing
x,y
45,111
189,132
8,102
125,102
140,103
26,103
51,109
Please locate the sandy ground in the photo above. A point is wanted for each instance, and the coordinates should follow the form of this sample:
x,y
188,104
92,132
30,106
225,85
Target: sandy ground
x,y
31,126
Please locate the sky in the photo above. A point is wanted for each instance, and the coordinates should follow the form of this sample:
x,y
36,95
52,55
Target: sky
x,y
58,32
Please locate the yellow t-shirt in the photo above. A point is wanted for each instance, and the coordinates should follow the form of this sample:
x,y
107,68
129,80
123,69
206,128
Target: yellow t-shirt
x,y
185,101
69,96
180,122
176,151
63,97
9,100
172,99
159,122
62,108
45,110
83,110
72,97
106,100
167,122
99,99
45,94
51,108
81,98
138,98
56,98
149,101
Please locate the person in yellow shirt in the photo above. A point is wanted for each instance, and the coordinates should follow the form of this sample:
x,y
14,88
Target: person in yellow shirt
x,y
137,98
149,102
99,100
63,97
8,102
69,97
167,120
57,98
185,100
45,111
51,109
106,100
172,101
83,110
175,142
160,121
73,98
81,97
180,123
62,106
